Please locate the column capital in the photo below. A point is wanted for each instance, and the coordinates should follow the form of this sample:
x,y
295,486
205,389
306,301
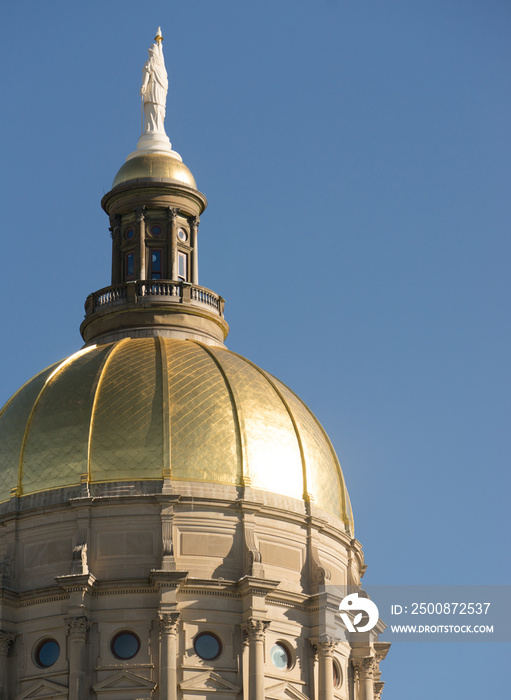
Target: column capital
x,y
115,222
173,213
254,629
378,689
6,642
140,214
195,222
168,622
325,646
365,667
77,627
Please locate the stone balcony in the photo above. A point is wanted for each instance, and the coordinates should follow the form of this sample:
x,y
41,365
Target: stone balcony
x,y
154,291
154,307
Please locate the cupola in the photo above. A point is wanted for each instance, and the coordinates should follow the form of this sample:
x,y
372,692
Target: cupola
x,y
154,208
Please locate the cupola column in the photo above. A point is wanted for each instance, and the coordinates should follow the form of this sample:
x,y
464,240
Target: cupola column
x,y
255,632
77,628
172,214
168,623
115,232
6,642
195,250
141,242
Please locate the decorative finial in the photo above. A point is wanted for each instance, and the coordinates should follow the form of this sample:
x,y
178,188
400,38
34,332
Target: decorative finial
x,y
158,38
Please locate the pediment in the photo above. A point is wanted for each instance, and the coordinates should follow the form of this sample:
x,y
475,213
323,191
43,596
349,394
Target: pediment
x,y
283,691
209,681
44,689
124,680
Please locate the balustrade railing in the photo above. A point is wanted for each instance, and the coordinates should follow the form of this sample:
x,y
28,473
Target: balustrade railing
x,y
159,290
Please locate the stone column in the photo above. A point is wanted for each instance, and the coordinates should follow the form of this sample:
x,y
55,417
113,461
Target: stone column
x,y
254,630
325,650
77,628
245,664
168,654
195,250
6,642
172,262
141,243
364,670
313,685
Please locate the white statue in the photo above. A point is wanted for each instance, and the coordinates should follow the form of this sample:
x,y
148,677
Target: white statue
x,y
154,88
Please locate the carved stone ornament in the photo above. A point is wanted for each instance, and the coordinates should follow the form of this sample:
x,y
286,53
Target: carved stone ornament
x,y
80,562
168,622
168,544
115,225
140,214
368,666
325,647
378,689
320,574
364,668
173,213
6,642
253,554
195,222
255,629
6,567
78,626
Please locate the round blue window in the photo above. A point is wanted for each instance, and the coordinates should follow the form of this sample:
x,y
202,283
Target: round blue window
x,y
207,646
280,656
125,645
47,652
129,234
156,230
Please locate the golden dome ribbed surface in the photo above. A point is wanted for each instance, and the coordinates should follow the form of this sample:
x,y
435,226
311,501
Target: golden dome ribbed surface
x,y
135,409
159,166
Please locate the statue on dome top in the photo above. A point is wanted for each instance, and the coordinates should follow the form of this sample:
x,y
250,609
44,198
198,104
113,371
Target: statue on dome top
x,y
154,88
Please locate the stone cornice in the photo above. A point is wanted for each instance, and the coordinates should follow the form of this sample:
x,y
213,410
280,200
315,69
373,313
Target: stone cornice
x,y
182,501
167,579
256,586
76,582
147,190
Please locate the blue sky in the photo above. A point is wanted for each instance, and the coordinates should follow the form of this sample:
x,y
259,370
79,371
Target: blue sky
x,y
356,158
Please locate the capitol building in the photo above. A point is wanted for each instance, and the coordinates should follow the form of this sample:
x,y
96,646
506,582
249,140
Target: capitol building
x,y
170,512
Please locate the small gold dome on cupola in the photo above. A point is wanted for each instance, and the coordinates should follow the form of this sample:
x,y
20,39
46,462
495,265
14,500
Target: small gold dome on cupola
x,y
160,167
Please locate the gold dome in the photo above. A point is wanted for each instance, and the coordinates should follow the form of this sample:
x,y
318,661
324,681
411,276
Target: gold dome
x,y
137,409
157,166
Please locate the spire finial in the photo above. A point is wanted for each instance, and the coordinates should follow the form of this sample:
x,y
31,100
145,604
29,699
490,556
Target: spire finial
x,y
158,38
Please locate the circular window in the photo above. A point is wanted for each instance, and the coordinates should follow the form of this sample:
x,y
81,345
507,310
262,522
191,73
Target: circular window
x,y
46,653
337,675
129,234
280,656
125,645
207,646
182,235
155,230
